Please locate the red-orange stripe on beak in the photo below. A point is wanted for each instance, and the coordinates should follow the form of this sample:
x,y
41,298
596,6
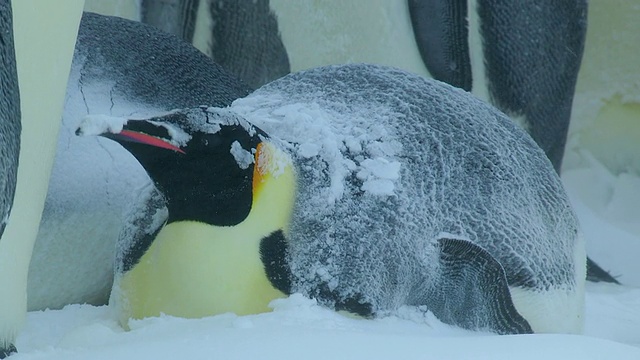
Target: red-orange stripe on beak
x,y
149,140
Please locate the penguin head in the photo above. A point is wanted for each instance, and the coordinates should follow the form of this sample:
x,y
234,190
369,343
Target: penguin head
x,y
201,159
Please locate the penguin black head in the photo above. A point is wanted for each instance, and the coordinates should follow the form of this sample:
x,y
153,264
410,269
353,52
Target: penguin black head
x,y
201,159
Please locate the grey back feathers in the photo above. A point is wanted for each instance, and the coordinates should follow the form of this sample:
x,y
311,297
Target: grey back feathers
x,y
390,165
420,159
9,114
10,127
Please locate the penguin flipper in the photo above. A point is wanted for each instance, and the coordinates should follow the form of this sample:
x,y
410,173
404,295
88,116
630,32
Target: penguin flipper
x,y
274,254
472,291
142,225
441,33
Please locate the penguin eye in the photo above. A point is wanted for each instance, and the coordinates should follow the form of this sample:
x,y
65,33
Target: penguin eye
x,y
211,141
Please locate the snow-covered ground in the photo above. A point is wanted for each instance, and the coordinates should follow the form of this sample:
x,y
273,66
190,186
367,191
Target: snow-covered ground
x,y
300,329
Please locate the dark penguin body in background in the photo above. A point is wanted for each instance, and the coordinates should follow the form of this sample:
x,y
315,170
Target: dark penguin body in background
x,y
528,64
121,68
408,192
175,17
9,129
240,36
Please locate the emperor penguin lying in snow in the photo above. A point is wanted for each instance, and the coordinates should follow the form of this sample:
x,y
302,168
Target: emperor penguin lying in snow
x,y
364,187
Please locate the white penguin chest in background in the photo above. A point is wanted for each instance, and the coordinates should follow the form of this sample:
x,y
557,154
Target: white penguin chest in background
x,y
338,32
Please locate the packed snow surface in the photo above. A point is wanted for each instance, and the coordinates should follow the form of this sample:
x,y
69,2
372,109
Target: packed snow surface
x,y
298,328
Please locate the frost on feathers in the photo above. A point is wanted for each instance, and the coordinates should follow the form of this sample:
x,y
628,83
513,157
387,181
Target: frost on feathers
x,y
387,161
98,124
243,157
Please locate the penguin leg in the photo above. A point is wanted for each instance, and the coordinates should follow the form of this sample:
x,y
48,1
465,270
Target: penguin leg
x,y
471,290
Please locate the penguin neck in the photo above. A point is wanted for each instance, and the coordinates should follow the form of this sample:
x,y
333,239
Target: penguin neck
x,y
194,269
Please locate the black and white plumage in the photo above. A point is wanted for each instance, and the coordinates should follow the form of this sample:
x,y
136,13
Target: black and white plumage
x,y
412,192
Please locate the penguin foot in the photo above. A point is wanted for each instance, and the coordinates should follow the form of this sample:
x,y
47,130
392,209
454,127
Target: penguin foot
x,y
472,291
6,351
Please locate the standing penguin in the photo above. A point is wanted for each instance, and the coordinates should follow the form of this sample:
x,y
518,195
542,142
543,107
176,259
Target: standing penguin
x,y
521,56
368,188
35,62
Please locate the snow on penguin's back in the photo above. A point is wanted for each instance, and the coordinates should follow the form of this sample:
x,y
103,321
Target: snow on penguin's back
x,y
388,162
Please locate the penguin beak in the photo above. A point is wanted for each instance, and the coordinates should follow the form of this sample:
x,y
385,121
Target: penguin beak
x,y
141,138
120,130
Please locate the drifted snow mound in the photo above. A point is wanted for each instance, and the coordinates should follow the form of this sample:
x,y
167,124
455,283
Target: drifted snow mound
x,y
300,329
120,68
389,162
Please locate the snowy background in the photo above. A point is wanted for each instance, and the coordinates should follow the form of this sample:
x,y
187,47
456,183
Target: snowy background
x,y
601,174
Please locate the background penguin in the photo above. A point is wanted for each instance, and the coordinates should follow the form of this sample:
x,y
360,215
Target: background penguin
x,y
121,68
409,192
41,68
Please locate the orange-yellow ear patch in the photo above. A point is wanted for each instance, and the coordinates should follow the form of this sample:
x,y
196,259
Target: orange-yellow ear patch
x,y
272,165
259,169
